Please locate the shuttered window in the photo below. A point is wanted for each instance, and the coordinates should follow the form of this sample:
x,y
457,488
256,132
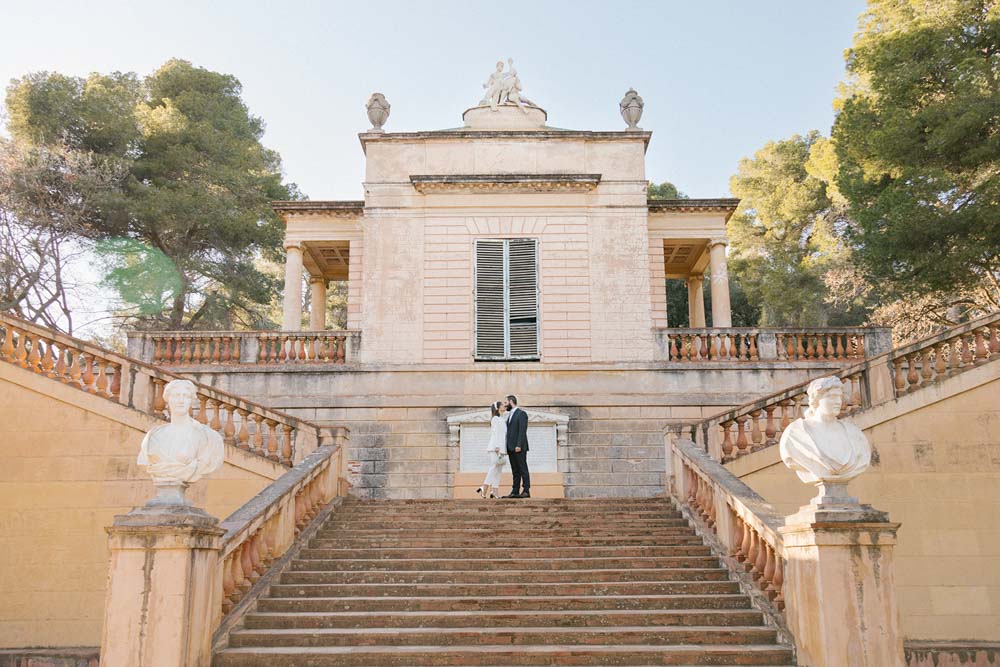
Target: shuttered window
x,y
506,299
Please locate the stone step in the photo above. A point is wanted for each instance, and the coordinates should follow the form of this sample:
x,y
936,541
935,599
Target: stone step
x,y
502,576
511,618
492,523
523,636
616,551
493,565
494,656
468,604
488,590
518,543
567,503
494,508
506,533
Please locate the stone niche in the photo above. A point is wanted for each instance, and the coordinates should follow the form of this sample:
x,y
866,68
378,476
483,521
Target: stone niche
x,y
469,433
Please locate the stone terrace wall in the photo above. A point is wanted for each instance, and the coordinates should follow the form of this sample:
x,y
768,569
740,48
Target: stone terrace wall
x,y
67,466
399,433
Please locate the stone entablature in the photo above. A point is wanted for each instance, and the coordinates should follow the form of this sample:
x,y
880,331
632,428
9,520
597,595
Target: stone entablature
x,y
518,183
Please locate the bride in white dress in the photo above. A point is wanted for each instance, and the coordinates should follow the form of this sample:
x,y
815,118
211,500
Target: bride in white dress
x,y
497,450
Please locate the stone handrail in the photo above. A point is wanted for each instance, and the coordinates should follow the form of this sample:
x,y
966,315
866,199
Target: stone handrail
x,y
198,348
827,344
744,525
249,426
263,529
759,424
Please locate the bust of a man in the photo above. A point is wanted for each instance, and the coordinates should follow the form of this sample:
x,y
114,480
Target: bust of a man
x,y
822,449
179,453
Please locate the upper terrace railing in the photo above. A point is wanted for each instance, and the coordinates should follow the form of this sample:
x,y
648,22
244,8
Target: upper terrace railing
x,y
197,348
829,344
250,426
880,378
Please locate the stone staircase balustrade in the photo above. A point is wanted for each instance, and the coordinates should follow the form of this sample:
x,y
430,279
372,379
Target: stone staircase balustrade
x,y
759,424
249,426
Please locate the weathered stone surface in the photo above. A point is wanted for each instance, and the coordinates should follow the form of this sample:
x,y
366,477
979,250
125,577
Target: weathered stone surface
x,y
525,582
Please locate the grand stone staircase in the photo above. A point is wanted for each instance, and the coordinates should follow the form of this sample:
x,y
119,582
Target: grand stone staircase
x,y
511,582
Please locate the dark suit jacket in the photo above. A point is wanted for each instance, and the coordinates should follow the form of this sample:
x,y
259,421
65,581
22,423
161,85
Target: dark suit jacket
x,y
517,431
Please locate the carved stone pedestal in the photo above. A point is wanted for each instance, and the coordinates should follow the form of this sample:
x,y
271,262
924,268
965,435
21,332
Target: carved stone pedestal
x,y
163,588
840,591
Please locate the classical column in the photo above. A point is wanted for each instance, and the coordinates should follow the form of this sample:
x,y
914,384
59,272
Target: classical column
x,y
291,315
722,315
696,301
317,303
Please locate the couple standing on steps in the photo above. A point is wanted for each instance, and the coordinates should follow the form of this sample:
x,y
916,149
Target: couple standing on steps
x,y
508,439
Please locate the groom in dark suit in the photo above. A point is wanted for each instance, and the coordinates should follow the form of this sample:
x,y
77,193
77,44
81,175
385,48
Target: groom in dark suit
x,y
517,449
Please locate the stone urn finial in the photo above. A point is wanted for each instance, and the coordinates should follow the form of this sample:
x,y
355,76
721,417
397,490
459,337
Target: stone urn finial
x,y
378,111
180,453
822,449
631,108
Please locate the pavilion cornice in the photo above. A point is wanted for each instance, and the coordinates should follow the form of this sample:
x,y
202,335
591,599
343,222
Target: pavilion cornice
x,y
336,208
432,183
541,134
718,205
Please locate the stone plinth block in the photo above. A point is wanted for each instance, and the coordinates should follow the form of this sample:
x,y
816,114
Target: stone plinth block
x,y
163,590
506,117
840,589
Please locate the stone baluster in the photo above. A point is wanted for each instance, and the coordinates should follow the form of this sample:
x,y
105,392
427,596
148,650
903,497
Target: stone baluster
x,y
770,429
229,430
727,443
756,436
243,434
286,444
272,439
258,435
742,444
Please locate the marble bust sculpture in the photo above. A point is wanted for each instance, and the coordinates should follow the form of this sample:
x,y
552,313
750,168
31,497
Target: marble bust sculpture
x,y
179,453
822,449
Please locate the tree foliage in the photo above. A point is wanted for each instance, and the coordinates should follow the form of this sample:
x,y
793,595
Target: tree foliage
x,y
918,141
786,234
665,190
44,210
197,192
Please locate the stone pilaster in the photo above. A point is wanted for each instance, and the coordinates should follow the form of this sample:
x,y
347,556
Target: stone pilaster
x,y
163,597
840,589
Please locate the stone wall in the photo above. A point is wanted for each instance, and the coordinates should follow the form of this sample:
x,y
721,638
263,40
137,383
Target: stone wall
x,y
399,434
68,466
937,471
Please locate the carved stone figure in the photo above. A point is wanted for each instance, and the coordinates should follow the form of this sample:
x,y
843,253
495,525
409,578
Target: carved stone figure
x,y
504,88
179,453
631,108
824,450
378,111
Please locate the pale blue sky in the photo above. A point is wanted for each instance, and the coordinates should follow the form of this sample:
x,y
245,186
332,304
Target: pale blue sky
x,y
719,78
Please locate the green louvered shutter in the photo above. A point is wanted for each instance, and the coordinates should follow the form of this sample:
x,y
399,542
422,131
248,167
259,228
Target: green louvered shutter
x,y
506,299
522,287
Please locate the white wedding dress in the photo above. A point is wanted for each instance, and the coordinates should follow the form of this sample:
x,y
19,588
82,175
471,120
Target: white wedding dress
x,y
496,447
